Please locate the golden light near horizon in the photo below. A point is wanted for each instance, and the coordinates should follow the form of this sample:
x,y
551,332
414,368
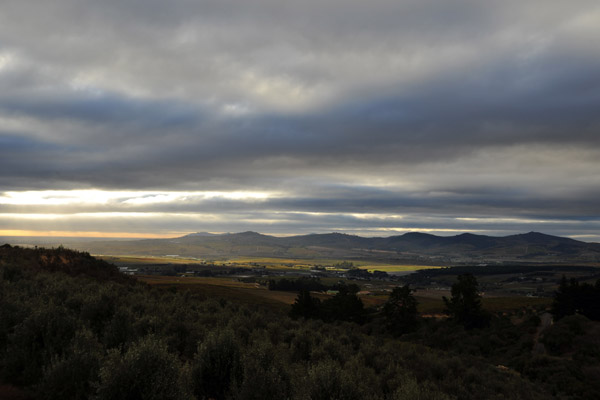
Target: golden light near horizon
x,y
123,214
86,234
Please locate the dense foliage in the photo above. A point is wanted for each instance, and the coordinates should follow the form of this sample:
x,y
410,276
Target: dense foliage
x,y
344,306
296,285
76,335
574,297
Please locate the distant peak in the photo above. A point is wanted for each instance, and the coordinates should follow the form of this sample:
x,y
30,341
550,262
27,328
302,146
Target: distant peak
x,y
200,234
417,234
533,233
331,234
248,233
339,234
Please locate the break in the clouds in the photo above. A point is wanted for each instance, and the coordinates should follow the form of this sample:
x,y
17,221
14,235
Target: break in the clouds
x,y
137,117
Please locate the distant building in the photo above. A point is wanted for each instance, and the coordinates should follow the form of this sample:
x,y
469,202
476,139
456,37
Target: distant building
x,y
128,271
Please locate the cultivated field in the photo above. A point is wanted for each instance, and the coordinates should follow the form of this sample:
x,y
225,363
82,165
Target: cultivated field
x,y
266,262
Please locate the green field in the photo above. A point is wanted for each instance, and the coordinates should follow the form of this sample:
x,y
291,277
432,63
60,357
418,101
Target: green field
x,y
396,268
268,262
142,259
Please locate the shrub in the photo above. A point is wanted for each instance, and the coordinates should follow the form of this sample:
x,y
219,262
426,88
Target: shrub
x,y
265,376
75,374
35,342
146,371
217,367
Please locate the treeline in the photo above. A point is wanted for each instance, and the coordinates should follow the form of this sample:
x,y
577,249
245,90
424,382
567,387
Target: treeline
x,y
494,270
345,305
400,311
315,285
359,273
296,285
207,270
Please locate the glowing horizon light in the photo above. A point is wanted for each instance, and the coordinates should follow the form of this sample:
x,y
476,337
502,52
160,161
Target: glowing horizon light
x,y
96,197
99,214
90,234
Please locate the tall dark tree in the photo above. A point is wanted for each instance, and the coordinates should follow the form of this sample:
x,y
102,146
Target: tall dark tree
x,y
345,305
465,304
305,306
401,310
564,299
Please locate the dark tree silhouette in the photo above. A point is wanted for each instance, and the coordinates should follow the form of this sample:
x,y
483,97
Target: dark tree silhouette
x,y
345,305
465,304
305,306
401,310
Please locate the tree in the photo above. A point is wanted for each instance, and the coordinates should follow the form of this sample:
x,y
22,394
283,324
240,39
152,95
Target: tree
x,y
345,305
305,306
401,310
564,299
465,304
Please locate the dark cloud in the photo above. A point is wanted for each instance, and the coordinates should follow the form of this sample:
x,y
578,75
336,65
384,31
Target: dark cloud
x,y
460,109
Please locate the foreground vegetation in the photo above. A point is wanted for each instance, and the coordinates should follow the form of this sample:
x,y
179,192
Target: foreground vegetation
x,y
73,327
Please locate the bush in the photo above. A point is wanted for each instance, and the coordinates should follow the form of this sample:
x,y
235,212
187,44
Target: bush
x,y
326,380
75,374
217,367
35,342
264,375
146,371
559,337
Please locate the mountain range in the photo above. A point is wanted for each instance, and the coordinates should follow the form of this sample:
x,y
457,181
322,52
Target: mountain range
x,y
532,247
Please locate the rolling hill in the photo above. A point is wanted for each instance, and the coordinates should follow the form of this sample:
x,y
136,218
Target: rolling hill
x,y
532,247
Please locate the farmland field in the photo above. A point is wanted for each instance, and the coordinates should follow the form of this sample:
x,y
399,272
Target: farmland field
x,y
267,262
430,301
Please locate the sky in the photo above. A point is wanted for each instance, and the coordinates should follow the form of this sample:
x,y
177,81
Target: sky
x,y
148,118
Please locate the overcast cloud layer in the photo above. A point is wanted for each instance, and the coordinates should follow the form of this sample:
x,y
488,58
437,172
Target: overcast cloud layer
x,y
376,118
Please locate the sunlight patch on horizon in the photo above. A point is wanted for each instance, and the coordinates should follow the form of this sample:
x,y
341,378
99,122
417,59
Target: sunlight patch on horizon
x,y
99,214
94,196
90,234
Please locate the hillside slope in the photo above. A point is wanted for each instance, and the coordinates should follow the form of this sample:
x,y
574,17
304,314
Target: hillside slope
x,y
410,247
